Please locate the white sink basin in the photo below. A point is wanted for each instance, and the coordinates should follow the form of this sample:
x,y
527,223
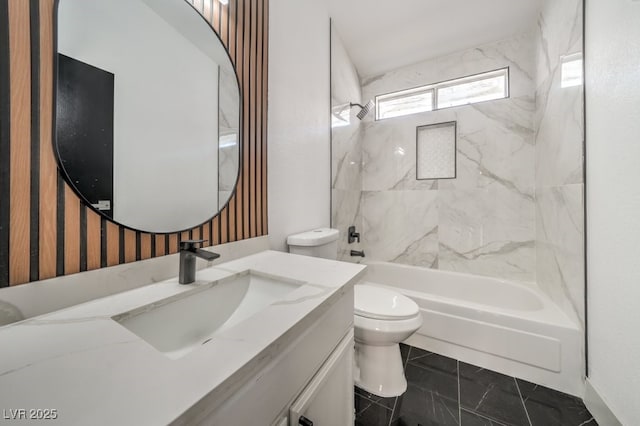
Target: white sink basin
x,y
179,324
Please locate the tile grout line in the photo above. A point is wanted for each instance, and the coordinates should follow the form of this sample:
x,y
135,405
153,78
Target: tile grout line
x,y
522,400
406,361
393,410
459,402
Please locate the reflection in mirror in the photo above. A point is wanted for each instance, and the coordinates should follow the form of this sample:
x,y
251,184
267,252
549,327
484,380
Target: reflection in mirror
x,y
148,112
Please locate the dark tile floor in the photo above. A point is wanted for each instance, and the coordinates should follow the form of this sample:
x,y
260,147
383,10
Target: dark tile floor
x,y
443,391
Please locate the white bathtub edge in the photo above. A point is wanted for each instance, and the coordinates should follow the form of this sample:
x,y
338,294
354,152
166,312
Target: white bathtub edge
x,y
569,381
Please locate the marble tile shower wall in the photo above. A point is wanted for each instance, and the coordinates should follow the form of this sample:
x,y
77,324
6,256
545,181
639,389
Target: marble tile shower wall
x,y
346,148
484,221
559,159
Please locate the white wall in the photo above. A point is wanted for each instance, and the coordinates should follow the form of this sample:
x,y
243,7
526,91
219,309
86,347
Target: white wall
x,y
613,203
299,159
161,79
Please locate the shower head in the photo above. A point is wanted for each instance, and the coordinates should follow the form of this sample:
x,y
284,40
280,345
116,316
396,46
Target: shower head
x,y
364,109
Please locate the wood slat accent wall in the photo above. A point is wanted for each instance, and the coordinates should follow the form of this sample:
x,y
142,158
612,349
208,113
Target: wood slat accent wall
x,y
45,229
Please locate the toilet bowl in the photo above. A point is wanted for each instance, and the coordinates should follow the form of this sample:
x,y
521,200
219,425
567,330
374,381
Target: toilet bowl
x,y
382,319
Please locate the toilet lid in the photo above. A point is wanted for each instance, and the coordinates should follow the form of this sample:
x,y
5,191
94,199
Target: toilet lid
x,y
381,303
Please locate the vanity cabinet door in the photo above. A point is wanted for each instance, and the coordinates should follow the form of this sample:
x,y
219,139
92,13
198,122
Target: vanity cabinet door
x,y
328,398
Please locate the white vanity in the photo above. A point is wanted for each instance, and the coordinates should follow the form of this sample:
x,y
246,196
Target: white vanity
x,y
261,340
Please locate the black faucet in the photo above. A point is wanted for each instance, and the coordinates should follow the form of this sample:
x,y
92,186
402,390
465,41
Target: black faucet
x,y
357,253
188,254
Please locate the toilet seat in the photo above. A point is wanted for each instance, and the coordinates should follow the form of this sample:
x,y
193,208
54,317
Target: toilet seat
x,y
383,304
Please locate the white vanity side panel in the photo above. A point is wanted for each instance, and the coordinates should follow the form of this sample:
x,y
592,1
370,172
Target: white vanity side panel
x,y
274,387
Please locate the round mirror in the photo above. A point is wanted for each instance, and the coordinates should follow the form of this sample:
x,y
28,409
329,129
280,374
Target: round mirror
x,y
147,112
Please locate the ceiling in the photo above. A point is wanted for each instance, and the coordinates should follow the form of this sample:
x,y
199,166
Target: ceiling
x,y
384,35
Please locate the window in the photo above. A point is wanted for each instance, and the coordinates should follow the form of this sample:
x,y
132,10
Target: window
x,y
405,103
467,90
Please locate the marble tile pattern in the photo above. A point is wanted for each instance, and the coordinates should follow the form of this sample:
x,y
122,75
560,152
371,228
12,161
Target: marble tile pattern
x,y
94,371
346,148
444,391
481,222
559,140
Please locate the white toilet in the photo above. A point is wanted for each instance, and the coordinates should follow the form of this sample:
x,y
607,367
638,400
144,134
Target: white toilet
x,y
382,318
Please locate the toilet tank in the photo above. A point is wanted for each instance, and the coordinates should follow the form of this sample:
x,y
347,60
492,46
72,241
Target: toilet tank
x,y
321,242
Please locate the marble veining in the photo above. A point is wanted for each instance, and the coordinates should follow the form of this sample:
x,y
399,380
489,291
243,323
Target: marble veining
x,y
401,226
92,370
346,148
481,222
559,141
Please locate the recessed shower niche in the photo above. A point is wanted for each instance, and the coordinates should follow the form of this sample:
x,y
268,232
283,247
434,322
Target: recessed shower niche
x,y
436,151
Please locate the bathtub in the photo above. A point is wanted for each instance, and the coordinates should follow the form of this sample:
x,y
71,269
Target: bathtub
x,y
497,324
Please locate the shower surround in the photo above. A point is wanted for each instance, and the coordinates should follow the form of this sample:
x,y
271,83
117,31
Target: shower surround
x,y
559,159
482,222
346,147
515,210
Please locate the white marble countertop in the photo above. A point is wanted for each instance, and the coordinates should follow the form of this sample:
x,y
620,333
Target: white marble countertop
x,y
92,370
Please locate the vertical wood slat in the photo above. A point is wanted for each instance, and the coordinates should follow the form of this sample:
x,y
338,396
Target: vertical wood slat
x,y
265,80
20,131
258,120
198,5
93,240
48,167
239,198
246,70
215,231
173,243
251,187
215,16
206,10
224,24
224,223
231,42
227,221
160,242
71,232
145,246
34,167
129,246
242,27
5,144
113,244
206,231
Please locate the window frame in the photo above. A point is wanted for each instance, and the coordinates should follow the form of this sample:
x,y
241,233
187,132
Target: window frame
x,y
434,87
